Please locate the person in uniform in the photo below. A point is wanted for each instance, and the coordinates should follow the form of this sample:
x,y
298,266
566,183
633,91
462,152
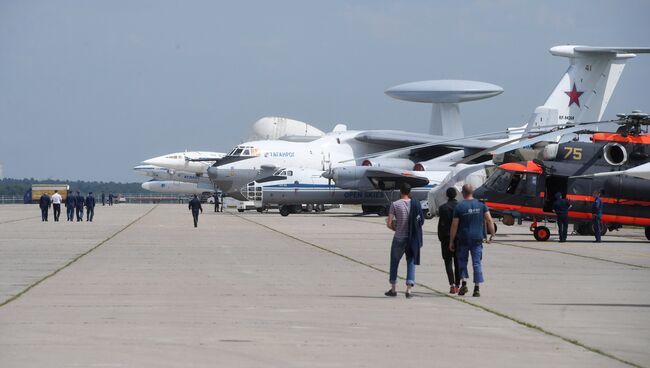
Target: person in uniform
x,y
79,206
597,212
70,205
446,215
110,199
103,199
90,207
56,205
561,208
216,202
470,217
44,204
195,207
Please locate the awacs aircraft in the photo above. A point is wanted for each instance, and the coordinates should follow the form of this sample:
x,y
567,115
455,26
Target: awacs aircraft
x,y
615,164
373,188
581,95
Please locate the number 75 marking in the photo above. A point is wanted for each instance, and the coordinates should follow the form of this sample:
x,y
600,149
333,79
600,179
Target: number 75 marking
x,y
573,152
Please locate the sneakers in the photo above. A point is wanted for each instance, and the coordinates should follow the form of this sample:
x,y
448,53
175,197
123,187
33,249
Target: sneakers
x,y
390,293
476,293
408,295
453,289
463,290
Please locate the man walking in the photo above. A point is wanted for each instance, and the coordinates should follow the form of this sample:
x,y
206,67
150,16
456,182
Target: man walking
x,y
70,204
561,208
90,207
195,207
79,206
398,221
44,204
597,213
56,205
470,217
103,199
446,216
110,199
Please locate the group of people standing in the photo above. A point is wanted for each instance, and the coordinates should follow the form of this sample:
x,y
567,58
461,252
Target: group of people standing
x,y
74,204
461,231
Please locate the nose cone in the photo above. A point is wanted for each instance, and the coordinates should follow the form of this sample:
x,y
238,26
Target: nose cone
x,y
147,185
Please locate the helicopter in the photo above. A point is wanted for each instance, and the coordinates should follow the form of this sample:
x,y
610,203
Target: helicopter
x,y
616,164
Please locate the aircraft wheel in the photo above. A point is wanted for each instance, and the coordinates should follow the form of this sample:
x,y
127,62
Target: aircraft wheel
x,y
647,232
240,210
284,211
297,208
428,215
260,210
541,233
310,208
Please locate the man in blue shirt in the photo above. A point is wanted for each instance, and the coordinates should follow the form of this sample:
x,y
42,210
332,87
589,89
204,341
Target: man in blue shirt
x,y
90,207
70,205
470,217
597,212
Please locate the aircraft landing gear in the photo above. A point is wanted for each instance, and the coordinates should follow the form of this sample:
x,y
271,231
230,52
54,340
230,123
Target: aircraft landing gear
x,y
428,215
541,233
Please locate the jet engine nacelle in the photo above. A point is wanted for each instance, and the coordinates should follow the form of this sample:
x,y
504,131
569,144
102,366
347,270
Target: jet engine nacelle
x,y
351,177
397,163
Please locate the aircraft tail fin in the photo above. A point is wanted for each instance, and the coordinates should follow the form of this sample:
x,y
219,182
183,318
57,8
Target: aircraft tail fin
x,y
586,87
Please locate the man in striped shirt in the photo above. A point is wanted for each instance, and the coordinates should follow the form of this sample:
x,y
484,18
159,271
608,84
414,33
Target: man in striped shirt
x,y
398,221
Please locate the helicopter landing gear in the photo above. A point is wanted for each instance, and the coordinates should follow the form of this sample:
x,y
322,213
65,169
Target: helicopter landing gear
x,y
541,233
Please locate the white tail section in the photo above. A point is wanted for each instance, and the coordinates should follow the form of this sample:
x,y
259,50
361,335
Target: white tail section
x,y
586,87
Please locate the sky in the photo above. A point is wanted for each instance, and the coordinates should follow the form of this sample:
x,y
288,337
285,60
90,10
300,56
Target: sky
x,y
88,89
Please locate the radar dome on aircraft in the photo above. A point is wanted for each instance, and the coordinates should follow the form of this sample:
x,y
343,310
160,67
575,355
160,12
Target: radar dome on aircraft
x,y
444,95
278,127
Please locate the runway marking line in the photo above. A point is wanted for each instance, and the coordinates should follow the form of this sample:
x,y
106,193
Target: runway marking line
x,y
462,300
71,262
16,220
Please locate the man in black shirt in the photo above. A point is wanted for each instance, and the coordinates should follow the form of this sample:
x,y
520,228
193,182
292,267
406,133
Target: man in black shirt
x,y
195,207
446,214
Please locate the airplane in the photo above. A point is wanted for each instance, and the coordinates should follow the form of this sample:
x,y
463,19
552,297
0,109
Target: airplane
x,y
373,188
615,163
196,162
171,181
595,70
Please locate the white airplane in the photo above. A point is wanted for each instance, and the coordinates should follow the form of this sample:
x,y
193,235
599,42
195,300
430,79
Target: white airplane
x,y
373,188
167,186
172,181
581,95
196,162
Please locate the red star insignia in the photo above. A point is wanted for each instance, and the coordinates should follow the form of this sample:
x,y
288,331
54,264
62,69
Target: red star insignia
x,y
574,96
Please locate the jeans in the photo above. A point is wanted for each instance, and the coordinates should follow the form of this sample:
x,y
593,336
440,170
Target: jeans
x,y
195,215
70,212
80,214
90,213
397,250
44,214
597,229
451,263
463,250
562,226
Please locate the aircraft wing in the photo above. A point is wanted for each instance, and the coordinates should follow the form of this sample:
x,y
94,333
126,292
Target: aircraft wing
x,y
392,178
422,146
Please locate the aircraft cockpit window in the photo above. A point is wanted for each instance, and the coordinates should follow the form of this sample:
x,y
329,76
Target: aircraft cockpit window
x,y
522,183
246,152
237,152
499,181
289,173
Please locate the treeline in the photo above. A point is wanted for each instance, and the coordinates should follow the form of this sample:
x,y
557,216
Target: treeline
x,y
18,187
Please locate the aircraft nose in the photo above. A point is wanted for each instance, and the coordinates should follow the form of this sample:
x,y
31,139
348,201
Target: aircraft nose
x,y
146,185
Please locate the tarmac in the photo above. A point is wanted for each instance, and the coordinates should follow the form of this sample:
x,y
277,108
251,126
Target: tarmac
x,y
141,287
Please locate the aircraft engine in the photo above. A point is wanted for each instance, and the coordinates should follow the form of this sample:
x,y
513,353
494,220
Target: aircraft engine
x,y
348,177
615,154
171,171
396,163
